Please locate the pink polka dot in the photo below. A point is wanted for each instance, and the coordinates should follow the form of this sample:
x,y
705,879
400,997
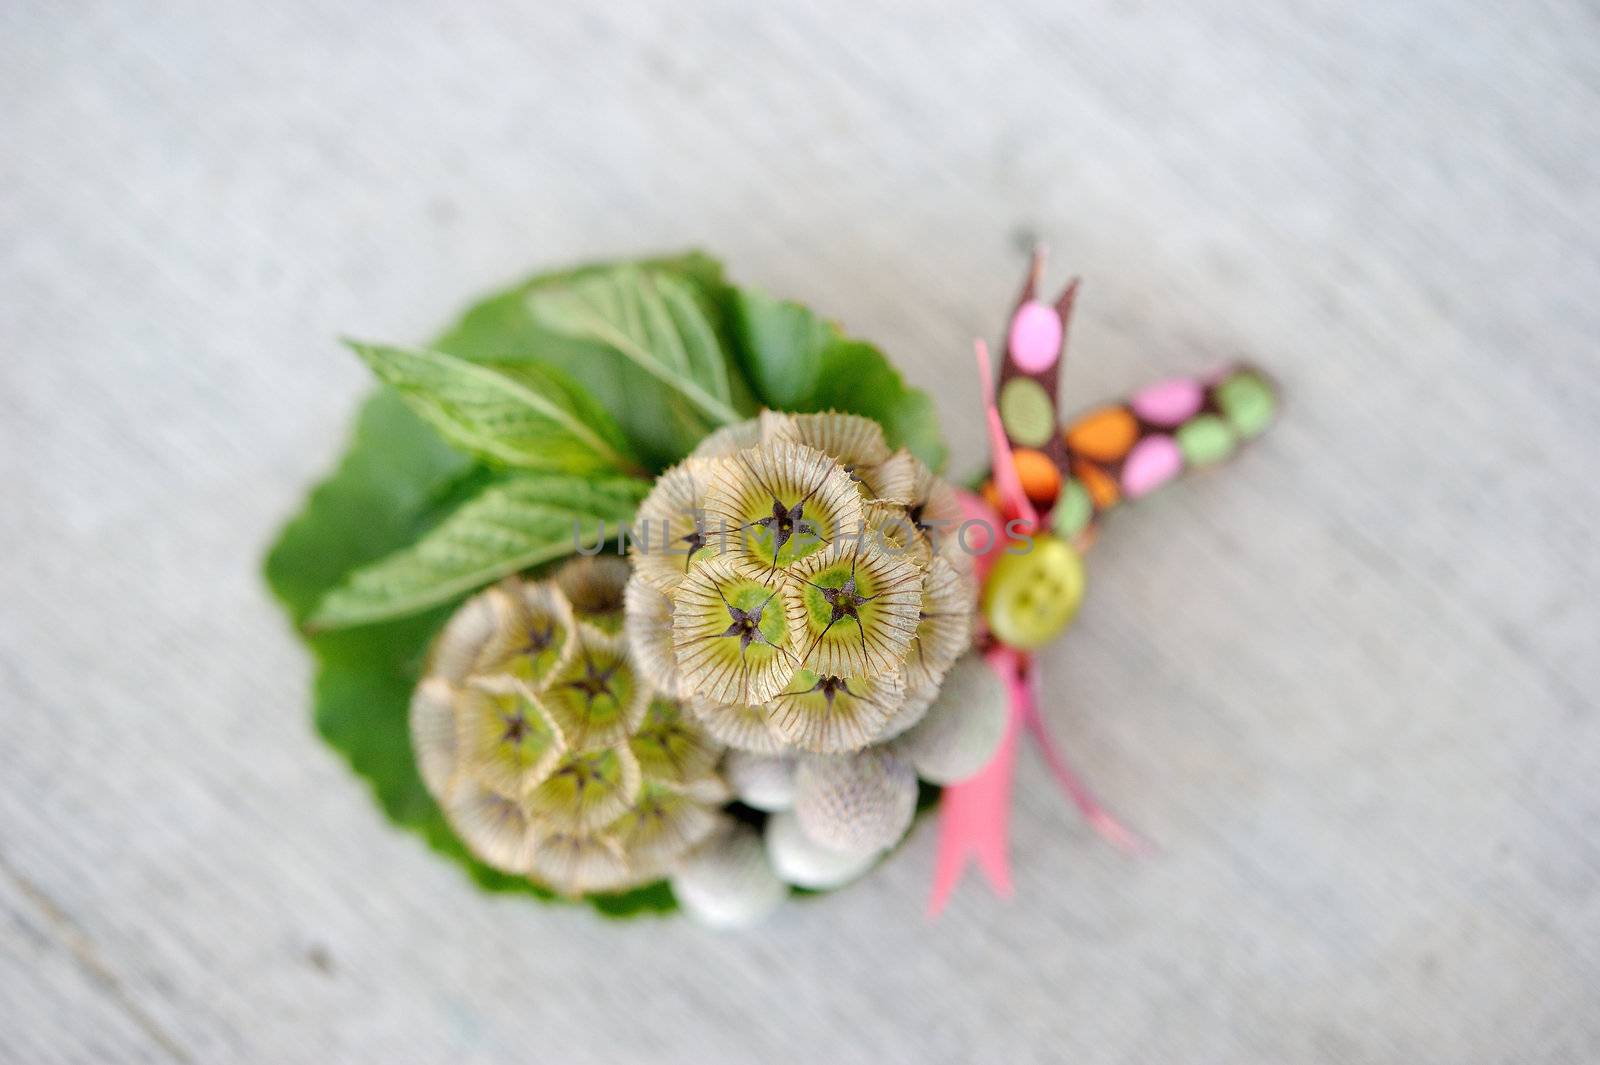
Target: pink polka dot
x,y
1169,402
1153,462
1035,340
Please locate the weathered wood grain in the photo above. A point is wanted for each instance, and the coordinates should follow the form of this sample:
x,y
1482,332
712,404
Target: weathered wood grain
x,y
1348,683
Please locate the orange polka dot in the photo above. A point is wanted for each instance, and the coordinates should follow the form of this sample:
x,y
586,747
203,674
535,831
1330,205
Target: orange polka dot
x,y
1041,481
1100,485
1105,435
1040,477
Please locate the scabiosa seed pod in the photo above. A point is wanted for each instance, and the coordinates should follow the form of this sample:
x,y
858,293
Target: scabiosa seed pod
x,y
672,748
670,527
823,711
595,698
729,440
505,740
550,749
732,642
649,633
594,585
742,728
800,584
944,625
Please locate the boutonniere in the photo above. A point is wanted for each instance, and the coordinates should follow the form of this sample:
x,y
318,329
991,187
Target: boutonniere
x,y
642,588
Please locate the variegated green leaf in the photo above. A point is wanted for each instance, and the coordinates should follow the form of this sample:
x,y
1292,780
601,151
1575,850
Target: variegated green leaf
x,y
798,361
509,526
525,414
653,321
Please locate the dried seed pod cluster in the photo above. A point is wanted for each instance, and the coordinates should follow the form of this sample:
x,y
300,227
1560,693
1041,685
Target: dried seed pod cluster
x,y
802,588
800,585
549,749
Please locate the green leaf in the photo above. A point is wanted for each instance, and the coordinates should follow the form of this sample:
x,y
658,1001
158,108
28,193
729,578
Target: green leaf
x,y
798,361
383,495
394,481
654,323
651,898
855,377
661,425
784,342
510,526
525,415
704,357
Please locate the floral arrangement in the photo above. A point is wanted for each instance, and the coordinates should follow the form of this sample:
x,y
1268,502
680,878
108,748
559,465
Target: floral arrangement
x,y
641,588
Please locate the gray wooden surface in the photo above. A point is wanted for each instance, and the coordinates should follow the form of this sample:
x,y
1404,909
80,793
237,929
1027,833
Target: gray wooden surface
x,y
1347,683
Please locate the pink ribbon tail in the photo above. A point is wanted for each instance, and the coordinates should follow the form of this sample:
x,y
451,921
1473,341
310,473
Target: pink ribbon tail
x,y
1100,819
975,813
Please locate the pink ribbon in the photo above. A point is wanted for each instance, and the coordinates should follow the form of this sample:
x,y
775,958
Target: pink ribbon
x,y
1100,819
1012,498
975,814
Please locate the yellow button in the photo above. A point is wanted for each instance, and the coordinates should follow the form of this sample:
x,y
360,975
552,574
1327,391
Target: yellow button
x,y
1029,599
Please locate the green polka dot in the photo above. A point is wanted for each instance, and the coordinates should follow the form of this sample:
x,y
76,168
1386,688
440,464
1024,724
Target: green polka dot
x,y
1026,411
1205,440
1073,509
1247,401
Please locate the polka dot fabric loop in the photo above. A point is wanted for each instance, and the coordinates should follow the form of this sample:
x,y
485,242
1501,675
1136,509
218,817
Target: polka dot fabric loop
x,y
1129,450
1072,473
